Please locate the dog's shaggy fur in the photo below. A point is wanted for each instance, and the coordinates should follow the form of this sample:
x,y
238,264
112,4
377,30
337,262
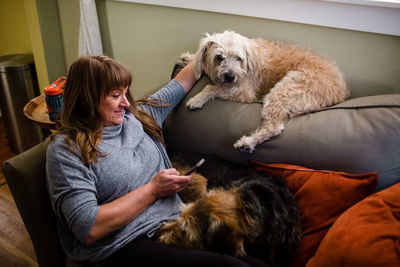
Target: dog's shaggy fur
x,y
254,213
292,80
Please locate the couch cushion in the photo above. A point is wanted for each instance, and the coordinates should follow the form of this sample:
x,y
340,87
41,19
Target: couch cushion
x,y
368,234
357,136
322,196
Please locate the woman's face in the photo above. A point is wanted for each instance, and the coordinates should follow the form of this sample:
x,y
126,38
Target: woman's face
x,y
111,107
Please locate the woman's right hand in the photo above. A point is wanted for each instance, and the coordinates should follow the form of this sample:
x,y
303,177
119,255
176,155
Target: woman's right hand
x,y
168,182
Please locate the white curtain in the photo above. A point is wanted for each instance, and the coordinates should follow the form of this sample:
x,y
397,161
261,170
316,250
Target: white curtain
x,y
89,30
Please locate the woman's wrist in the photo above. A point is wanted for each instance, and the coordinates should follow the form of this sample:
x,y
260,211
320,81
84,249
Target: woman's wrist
x,y
151,191
186,76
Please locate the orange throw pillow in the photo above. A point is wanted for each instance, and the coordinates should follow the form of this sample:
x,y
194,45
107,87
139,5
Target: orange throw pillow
x,y
368,234
322,196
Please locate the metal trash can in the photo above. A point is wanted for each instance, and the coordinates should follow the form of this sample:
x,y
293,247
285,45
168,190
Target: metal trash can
x,y
18,85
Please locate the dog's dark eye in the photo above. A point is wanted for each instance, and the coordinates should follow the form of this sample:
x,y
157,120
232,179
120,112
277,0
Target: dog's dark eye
x,y
239,58
219,58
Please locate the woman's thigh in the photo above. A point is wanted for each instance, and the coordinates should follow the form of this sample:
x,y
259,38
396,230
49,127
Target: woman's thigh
x,y
146,252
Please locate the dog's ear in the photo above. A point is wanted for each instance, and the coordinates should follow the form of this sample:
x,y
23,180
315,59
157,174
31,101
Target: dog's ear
x,y
168,233
222,238
205,43
251,57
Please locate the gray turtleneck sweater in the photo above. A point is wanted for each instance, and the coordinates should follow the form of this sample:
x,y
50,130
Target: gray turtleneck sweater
x,y
133,158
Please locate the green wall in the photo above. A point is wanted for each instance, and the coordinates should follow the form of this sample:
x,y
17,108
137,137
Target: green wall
x,y
69,24
14,33
49,23
149,39
33,27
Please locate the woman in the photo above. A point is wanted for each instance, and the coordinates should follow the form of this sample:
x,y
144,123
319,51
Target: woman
x,y
109,178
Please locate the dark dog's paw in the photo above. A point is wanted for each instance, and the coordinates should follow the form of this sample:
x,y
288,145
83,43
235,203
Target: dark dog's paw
x,y
186,57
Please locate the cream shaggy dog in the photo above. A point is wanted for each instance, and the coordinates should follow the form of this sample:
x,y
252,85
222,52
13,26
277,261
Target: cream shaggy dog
x,y
292,80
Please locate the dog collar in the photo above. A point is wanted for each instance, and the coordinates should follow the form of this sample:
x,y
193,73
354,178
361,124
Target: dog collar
x,y
258,206
259,209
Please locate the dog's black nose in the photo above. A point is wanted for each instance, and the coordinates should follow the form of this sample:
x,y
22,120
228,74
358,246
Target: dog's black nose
x,y
229,77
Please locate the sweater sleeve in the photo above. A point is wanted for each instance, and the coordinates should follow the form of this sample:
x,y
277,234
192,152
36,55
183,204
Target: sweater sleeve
x,y
72,190
171,94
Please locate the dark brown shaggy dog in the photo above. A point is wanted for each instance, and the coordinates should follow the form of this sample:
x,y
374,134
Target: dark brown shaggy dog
x,y
254,213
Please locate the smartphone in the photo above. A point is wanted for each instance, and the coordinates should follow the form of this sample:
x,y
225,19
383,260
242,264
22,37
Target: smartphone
x,y
198,164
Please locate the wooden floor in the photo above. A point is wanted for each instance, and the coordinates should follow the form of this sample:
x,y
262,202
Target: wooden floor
x,y
15,244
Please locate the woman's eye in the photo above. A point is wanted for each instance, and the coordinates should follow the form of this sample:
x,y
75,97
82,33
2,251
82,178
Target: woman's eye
x,y
115,96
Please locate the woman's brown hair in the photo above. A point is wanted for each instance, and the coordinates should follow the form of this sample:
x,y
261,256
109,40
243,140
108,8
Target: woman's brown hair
x,y
89,79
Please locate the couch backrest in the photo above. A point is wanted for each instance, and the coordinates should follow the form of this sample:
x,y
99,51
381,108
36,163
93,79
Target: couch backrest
x,y
359,135
26,177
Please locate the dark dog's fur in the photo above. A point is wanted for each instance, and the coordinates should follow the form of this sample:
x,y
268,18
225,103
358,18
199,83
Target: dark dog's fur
x,y
245,212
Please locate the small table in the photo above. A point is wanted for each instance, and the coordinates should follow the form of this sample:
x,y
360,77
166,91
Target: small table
x,y
36,110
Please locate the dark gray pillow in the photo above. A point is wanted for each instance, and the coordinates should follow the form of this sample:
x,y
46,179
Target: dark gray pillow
x,y
357,136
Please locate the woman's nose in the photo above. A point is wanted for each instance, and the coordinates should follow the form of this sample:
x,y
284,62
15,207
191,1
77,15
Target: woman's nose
x,y
125,102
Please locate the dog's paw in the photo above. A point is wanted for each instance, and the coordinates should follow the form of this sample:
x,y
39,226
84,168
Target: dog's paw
x,y
194,103
240,252
245,144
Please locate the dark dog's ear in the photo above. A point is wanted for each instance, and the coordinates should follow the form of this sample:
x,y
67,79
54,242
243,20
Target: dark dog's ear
x,y
168,233
222,238
205,43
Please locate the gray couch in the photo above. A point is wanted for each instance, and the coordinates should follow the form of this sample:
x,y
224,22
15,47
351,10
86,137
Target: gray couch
x,y
357,136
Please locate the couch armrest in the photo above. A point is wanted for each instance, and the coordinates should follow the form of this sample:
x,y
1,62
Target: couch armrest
x,y
25,174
